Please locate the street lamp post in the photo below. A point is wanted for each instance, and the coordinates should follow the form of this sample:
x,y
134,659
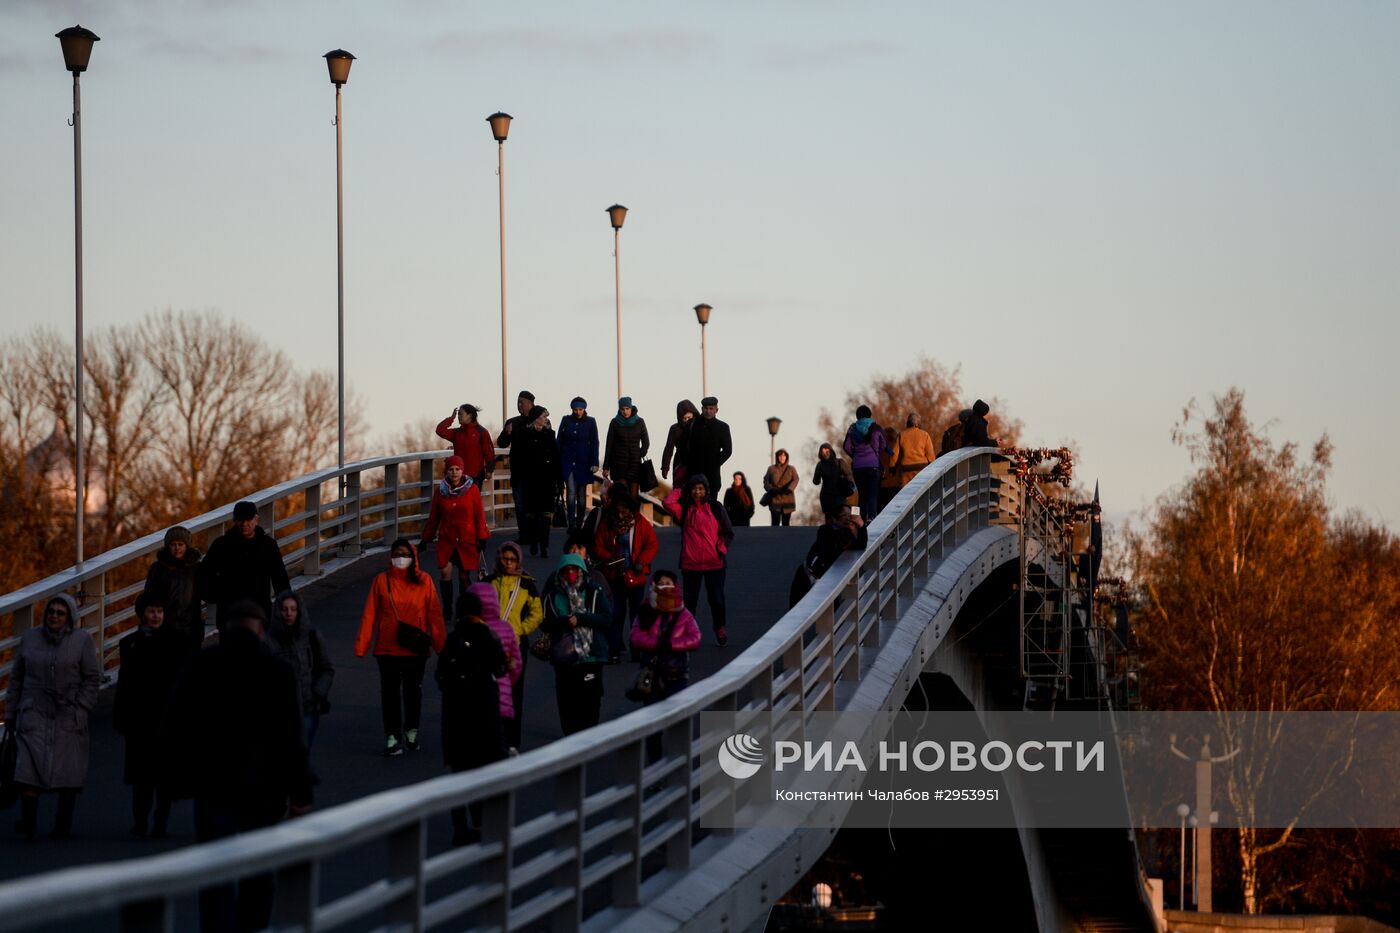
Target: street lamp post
x,y
338,65
1181,811
773,425
77,49
500,129
702,314
616,215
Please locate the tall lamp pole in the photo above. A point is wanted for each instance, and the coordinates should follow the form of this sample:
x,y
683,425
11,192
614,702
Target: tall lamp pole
x,y
1182,811
338,64
773,425
702,314
500,129
77,49
616,215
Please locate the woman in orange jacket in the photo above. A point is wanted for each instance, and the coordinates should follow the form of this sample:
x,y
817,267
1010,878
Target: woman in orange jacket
x,y
458,520
402,621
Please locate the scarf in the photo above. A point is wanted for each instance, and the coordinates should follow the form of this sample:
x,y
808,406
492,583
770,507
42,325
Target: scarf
x,y
447,490
626,422
863,426
568,600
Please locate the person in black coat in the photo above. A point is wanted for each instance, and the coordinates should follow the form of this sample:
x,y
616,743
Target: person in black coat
x,y
151,658
707,443
843,532
243,563
173,582
512,431
535,466
738,501
243,759
975,430
466,674
833,475
627,444
686,412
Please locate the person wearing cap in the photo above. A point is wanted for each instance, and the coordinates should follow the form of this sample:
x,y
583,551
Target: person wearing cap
x,y
626,446
54,681
535,468
173,582
151,658
708,445
976,431
243,563
471,442
576,616
456,518
578,457
511,432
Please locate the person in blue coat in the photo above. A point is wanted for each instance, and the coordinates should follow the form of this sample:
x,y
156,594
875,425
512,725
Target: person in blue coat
x,y
578,456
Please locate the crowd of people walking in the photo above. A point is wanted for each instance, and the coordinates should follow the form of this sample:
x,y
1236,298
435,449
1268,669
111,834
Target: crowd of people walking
x,y
244,755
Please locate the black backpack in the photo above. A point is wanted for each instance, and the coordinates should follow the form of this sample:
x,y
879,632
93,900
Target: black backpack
x,y
952,438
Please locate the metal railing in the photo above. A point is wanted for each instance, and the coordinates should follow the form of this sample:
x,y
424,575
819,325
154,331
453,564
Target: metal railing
x,y
314,531
612,822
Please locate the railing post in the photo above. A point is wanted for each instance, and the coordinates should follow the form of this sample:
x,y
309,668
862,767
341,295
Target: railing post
x,y
569,795
351,527
627,881
425,478
296,890
391,503
312,542
498,825
676,743
405,860
826,626
100,629
153,916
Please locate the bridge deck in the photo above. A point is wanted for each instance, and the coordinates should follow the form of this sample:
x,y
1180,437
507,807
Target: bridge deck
x,y
347,752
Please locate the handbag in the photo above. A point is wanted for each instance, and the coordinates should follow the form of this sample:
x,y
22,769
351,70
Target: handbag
x,y
543,647
648,476
643,686
410,637
561,517
766,500
9,754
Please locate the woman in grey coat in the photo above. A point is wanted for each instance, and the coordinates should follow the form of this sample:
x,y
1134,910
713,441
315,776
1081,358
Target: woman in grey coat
x,y
53,686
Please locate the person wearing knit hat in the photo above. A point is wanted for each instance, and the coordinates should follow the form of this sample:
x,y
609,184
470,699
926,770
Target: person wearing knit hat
x,y
173,582
578,458
627,444
976,431
456,518
576,615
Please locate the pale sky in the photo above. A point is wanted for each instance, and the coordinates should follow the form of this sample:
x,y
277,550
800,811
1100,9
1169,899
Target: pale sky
x,y
1098,210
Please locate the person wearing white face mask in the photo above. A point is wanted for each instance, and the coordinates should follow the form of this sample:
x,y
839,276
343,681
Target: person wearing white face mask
x,y
402,620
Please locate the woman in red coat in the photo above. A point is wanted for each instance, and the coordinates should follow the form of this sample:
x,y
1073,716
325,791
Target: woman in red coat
x,y
399,597
623,548
457,519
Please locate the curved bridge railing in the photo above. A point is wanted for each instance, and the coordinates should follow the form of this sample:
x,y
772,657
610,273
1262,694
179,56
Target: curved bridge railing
x,y
316,526
573,831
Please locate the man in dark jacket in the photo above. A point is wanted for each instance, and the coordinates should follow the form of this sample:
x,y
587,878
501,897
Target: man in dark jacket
x,y
708,444
511,432
975,432
237,718
242,563
578,455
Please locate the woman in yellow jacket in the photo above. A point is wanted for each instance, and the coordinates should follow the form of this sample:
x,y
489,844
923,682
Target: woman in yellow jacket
x,y
519,597
402,597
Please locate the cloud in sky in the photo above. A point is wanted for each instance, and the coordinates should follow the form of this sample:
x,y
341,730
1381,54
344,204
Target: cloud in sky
x,y
821,56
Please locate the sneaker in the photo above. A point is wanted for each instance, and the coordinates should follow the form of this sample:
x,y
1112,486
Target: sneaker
x,y
721,636
512,752
393,748
411,739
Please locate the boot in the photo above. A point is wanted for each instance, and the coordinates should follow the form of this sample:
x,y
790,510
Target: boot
x,y
63,820
28,815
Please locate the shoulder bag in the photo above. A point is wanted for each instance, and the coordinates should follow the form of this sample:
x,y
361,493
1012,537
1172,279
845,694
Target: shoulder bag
x,y
410,637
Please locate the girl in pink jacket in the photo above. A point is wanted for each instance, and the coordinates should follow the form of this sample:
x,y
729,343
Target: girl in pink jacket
x,y
705,538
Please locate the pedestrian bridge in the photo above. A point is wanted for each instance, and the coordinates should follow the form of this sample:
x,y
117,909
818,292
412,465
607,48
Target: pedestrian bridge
x,y
583,833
